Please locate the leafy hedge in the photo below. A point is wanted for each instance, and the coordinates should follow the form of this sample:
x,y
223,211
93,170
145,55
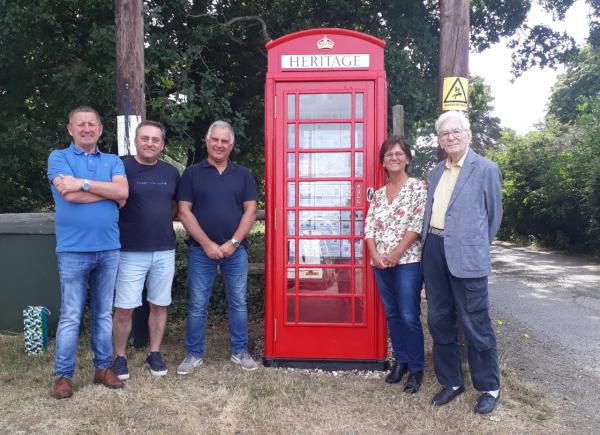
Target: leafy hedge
x,y
552,183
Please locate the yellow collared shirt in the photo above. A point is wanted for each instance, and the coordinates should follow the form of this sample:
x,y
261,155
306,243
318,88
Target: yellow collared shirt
x,y
443,192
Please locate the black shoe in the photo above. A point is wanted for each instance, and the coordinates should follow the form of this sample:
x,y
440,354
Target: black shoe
x,y
396,373
413,383
119,366
446,394
486,403
156,364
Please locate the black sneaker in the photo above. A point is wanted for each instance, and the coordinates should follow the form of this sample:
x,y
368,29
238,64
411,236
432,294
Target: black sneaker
x,y
119,366
156,364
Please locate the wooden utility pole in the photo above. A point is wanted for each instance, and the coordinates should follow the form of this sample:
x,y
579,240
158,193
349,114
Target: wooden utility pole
x,y
398,120
454,46
131,109
454,41
131,100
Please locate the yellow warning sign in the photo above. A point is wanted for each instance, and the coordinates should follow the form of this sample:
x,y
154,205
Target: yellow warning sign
x,y
456,93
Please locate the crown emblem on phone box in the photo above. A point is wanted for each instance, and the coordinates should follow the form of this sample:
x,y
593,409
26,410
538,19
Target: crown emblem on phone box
x,y
325,43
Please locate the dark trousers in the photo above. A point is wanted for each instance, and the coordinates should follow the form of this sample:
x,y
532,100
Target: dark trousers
x,y
452,300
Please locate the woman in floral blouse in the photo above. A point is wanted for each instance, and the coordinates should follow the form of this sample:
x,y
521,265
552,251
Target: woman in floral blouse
x,y
392,233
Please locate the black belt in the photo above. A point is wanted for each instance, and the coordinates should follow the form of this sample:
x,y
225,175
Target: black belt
x,y
436,231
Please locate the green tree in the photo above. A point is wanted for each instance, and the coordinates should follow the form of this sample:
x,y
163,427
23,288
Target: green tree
x,y
580,80
586,168
485,126
54,55
206,59
541,201
552,176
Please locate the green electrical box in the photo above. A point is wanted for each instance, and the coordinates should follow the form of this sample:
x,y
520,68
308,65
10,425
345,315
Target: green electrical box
x,y
28,268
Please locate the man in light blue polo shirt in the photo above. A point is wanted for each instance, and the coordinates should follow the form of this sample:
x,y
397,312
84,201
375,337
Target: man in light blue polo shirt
x,y
88,187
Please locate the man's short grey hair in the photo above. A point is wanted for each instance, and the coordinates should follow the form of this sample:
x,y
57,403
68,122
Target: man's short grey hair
x,y
152,124
86,109
221,124
452,114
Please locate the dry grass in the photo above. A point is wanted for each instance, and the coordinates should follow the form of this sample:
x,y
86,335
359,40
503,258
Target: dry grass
x,y
220,398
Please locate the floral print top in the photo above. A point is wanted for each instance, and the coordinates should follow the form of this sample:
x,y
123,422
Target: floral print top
x,y
387,223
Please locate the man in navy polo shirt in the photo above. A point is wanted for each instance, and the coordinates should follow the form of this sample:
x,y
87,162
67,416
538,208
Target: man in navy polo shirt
x,y
87,186
147,245
217,206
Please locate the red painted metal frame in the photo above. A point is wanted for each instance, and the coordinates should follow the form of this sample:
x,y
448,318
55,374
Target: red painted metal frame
x,y
319,342
335,340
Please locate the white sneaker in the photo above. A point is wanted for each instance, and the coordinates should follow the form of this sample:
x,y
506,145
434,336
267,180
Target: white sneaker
x,y
245,360
188,365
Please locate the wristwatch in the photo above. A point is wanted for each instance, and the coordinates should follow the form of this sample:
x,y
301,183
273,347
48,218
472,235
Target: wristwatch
x,y
235,242
86,185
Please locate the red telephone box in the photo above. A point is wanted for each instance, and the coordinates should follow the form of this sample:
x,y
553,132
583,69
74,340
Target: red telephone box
x,y
325,117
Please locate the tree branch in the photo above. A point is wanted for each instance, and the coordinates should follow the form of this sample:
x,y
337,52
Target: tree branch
x,y
228,23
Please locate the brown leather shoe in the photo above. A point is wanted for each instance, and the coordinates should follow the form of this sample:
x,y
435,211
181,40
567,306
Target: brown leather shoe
x,y
108,378
62,389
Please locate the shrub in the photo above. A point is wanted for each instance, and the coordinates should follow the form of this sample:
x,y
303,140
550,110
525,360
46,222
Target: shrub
x,y
218,303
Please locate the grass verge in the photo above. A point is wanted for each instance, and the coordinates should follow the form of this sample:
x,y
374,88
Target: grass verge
x,y
220,398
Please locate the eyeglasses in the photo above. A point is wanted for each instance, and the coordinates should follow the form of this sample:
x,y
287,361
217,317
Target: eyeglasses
x,y
396,155
454,132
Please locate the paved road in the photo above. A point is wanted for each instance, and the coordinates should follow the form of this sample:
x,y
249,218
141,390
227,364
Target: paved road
x,y
555,299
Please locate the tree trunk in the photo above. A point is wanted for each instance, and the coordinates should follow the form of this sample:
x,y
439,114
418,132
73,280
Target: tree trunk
x,y
131,100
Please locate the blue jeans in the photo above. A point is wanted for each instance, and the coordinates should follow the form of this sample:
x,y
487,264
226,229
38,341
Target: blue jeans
x,y
79,271
201,276
400,291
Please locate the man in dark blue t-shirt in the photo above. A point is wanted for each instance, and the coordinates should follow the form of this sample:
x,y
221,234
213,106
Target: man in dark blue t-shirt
x,y
147,245
217,205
